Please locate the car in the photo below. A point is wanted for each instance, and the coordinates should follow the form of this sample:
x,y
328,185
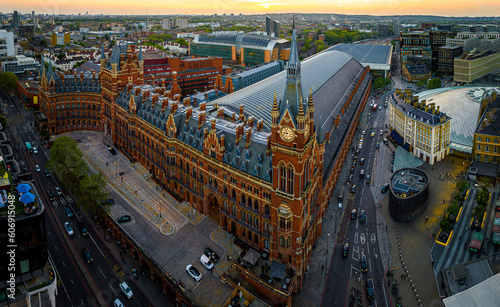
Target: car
x,y
362,216
126,290
345,250
360,146
124,218
368,179
349,179
193,272
351,171
381,132
86,256
16,147
68,228
47,173
353,164
69,213
358,151
386,142
355,159
362,161
353,189
118,303
78,141
50,195
206,262
363,263
58,191
108,147
7,140
211,254
35,150
373,134
363,133
370,290
354,214
83,229
384,188
362,173
37,168
109,201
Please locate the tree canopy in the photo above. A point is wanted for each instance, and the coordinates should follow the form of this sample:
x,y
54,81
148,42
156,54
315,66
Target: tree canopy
x,y
8,81
434,83
66,160
381,82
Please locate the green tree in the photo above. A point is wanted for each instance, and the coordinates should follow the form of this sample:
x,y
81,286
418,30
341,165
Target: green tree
x,y
126,35
434,83
61,56
92,193
445,225
462,186
478,212
421,83
84,37
482,197
181,41
43,42
8,81
106,37
3,121
438,73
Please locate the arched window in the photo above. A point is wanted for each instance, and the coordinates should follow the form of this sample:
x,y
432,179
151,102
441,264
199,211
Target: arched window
x,y
266,210
282,241
289,242
233,194
243,199
249,202
286,175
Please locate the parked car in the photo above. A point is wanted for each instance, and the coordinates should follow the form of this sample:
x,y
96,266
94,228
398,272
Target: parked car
x,y
384,188
364,264
373,134
58,191
124,218
358,151
47,173
362,161
78,141
83,229
370,290
211,254
86,256
69,213
351,171
109,201
368,179
193,272
35,150
16,147
349,179
345,250
37,168
353,189
362,173
362,216
381,132
126,290
118,303
206,262
354,213
68,228
50,195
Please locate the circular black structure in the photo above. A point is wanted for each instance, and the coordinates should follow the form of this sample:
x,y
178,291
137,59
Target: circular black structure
x,y
409,192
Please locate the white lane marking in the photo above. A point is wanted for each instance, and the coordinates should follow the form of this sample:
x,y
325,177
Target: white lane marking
x,y
100,251
102,272
362,238
113,290
373,238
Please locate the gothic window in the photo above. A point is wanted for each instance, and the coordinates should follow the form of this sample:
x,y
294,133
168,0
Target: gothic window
x,y
282,241
243,199
288,242
286,174
266,210
233,194
256,205
266,244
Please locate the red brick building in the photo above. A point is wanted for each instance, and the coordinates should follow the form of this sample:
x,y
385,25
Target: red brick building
x,y
27,92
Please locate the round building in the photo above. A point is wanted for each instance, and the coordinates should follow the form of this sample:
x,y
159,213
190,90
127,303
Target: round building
x,y
409,191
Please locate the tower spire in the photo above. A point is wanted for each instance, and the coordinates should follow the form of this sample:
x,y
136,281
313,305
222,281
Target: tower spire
x,y
293,90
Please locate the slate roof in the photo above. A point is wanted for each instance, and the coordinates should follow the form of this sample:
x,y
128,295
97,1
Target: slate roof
x,y
73,83
375,54
421,115
252,161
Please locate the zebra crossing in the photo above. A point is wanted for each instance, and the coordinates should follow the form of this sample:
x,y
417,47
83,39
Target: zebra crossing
x,y
457,250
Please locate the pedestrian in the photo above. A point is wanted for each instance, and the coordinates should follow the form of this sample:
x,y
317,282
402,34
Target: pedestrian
x,y
427,227
460,238
389,243
322,268
402,276
430,236
426,219
227,257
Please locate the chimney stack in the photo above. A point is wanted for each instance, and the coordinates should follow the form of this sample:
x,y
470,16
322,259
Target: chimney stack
x,y
201,119
260,125
189,113
239,132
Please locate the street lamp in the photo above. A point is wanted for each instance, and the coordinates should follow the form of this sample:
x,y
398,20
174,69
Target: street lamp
x,y
159,203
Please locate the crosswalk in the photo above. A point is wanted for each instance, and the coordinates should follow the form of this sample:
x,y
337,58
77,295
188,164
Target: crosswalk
x,y
457,250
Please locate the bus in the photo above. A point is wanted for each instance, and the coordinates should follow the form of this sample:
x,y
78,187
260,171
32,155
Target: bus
x,y
28,147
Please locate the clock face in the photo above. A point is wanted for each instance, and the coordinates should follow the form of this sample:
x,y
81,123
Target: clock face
x,y
286,134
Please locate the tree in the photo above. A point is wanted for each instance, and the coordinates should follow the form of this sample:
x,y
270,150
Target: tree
x,y
3,121
421,83
43,42
478,212
61,56
106,37
92,193
8,81
181,41
438,73
84,38
126,35
462,186
482,197
445,225
434,83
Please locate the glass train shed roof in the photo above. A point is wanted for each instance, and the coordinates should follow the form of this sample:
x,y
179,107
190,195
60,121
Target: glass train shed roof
x,y
258,98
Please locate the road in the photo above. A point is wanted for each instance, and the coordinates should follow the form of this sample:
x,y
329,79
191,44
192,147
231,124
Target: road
x,y
362,237
77,278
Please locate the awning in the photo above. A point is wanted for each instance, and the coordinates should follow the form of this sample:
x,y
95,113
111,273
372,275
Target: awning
x,y
251,256
397,138
277,270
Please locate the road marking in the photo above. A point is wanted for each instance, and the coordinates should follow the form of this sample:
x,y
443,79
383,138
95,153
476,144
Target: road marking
x,y
375,253
54,245
96,245
370,263
102,272
120,274
72,281
70,200
64,263
356,237
373,238
362,238
113,290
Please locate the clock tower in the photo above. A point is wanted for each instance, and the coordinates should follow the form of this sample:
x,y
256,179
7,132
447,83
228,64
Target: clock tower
x,y
295,160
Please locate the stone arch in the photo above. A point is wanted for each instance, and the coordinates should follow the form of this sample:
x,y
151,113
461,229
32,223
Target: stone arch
x,y
213,207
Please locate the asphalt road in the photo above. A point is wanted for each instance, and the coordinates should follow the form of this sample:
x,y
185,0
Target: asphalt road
x,y
74,286
362,237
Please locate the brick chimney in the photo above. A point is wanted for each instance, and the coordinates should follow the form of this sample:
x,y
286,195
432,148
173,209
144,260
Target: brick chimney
x,y
223,144
164,104
337,120
248,138
239,132
154,99
343,110
220,113
130,86
203,106
213,121
174,107
233,117
189,113
201,119
260,125
251,121
137,91
145,95
205,133
242,116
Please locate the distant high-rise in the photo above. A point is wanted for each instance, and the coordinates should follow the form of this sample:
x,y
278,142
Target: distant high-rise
x,y
272,27
15,19
32,14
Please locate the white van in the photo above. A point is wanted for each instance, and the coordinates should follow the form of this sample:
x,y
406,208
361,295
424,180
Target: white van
x,y
206,262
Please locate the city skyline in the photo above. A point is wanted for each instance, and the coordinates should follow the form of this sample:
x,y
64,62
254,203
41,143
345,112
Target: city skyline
x,y
355,7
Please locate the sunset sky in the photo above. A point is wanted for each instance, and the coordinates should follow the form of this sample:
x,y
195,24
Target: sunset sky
x,y
207,7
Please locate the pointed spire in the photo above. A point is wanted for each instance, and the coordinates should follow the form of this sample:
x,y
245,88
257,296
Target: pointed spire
x,y
310,99
275,102
42,68
294,61
103,55
140,53
301,108
50,71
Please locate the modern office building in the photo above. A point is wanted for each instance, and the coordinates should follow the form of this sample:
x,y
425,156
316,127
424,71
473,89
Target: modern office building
x,y
15,19
415,39
420,128
474,65
236,81
409,193
273,27
416,49
7,47
262,162
20,65
34,280
437,40
447,56
245,49
486,147
59,38
415,73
